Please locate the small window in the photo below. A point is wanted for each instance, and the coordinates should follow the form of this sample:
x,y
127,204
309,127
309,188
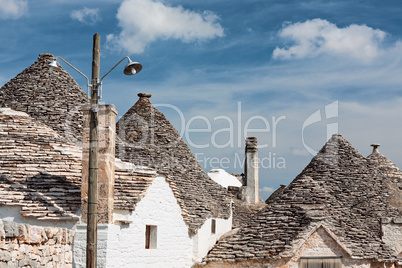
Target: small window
x,y
213,226
150,237
317,262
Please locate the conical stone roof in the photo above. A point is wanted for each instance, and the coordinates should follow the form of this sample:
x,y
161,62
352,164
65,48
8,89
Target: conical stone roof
x,y
54,98
339,189
146,138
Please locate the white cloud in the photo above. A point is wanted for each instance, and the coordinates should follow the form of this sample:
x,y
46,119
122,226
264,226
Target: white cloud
x,y
266,190
314,37
145,21
13,9
299,152
86,15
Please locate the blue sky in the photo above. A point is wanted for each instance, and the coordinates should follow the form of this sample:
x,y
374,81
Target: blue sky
x,y
294,71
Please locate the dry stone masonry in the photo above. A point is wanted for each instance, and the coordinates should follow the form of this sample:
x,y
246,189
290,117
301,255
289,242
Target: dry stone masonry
x,y
24,245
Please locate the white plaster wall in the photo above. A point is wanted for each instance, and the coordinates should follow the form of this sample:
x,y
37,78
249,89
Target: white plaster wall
x,y
204,240
126,245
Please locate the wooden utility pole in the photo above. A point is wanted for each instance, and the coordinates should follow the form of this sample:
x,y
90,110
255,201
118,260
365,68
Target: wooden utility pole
x,y
92,227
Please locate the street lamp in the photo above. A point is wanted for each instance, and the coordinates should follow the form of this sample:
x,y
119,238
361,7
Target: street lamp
x,y
130,69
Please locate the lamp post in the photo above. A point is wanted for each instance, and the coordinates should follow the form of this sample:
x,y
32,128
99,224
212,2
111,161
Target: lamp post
x,y
96,84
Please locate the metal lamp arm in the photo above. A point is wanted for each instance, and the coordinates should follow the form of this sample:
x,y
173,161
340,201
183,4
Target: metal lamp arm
x,y
126,57
88,84
100,83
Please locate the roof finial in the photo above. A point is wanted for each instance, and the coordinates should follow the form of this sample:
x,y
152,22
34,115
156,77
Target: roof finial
x,y
375,147
144,95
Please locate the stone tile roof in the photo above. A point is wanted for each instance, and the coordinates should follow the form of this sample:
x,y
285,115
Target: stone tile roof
x,y
278,192
39,170
54,98
243,211
130,187
341,190
146,138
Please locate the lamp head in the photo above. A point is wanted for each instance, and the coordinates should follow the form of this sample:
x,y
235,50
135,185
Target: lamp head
x,y
52,65
132,67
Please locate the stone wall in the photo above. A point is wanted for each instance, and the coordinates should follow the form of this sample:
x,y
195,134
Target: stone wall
x,y
24,245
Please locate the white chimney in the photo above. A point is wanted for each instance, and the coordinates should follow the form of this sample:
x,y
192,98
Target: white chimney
x,y
251,170
392,233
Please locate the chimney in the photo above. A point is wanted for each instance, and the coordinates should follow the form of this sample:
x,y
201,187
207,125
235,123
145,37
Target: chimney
x,y
375,147
391,229
251,170
144,95
106,163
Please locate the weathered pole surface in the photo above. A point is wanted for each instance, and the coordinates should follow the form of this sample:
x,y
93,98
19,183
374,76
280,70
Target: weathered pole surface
x,y
92,227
